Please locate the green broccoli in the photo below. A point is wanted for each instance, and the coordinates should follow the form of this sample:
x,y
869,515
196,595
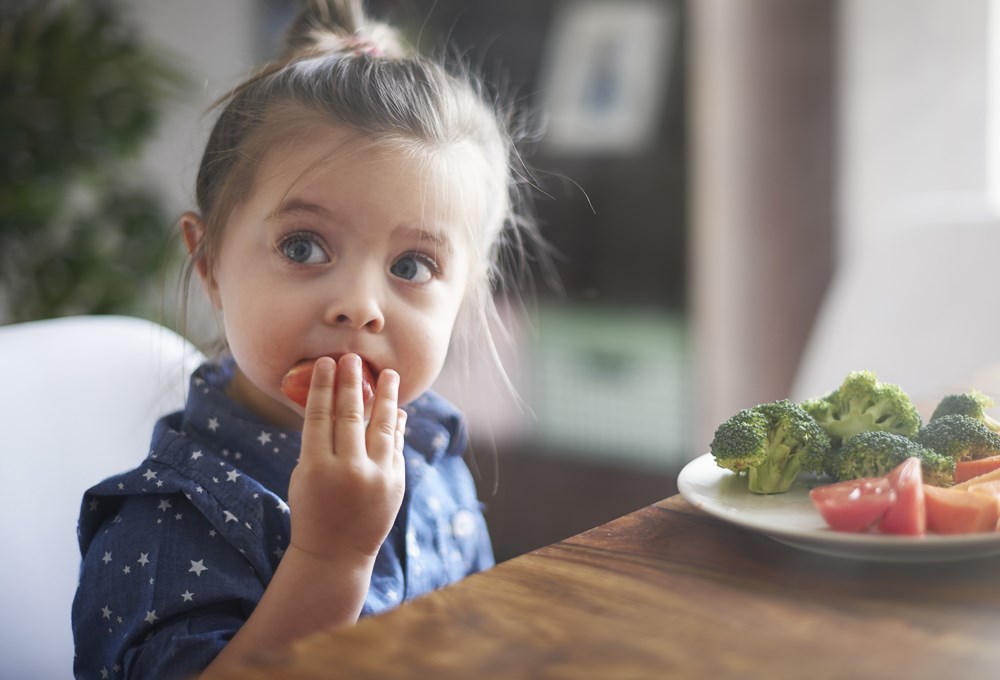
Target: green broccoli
x,y
875,453
860,404
960,438
771,443
972,404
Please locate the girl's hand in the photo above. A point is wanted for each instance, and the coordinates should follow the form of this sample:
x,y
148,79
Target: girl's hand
x,y
348,485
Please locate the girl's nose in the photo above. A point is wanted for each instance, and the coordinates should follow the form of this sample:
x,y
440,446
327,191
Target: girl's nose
x,y
356,309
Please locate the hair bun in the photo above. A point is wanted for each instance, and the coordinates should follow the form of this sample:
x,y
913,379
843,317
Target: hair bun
x,y
340,26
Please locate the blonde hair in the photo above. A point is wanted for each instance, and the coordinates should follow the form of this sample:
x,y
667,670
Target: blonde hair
x,y
342,68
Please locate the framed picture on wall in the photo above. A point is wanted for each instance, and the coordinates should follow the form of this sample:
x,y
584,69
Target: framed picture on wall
x,y
604,74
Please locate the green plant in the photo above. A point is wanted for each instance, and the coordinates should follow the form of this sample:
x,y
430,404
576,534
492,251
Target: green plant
x,y
79,95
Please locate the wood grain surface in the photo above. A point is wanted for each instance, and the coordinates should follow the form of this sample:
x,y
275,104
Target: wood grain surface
x,y
670,592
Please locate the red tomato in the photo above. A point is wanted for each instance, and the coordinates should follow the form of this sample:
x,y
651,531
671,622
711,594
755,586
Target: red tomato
x,y
967,469
853,505
296,382
906,515
956,511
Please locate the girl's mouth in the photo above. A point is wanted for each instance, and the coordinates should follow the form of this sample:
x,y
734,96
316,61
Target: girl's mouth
x,y
295,384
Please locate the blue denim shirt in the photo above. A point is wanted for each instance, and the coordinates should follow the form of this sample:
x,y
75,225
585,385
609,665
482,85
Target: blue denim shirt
x,y
177,552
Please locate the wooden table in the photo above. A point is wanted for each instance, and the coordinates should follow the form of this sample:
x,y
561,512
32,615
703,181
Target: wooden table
x,y
670,592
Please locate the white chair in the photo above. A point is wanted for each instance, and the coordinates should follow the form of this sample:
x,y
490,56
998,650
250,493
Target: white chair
x,y
917,307
78,400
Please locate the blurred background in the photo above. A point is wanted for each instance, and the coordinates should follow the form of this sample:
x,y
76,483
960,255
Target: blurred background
x,y
711,171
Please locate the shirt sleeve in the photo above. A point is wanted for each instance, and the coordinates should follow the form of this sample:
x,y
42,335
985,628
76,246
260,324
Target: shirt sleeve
x,y
161,591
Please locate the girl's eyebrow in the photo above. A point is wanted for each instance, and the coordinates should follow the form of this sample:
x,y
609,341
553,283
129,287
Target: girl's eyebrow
x,y
298,205
440,242
293,206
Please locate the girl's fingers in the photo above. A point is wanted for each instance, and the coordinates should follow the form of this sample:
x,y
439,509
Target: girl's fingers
x,y
381,434
400,437
318,424
349,432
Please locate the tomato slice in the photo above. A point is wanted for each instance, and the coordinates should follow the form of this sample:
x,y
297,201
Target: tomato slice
x,y
855,504
296,382
906,515
956,511
968,469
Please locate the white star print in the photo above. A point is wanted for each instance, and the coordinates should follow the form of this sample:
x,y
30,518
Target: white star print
x,y
264,438
106,612
195,455
121,486
165,505
232,475
213,424
104,673
127,570
106,558
151,617
198,566
143,559
93,505
149,474
187,595
230,517
283,506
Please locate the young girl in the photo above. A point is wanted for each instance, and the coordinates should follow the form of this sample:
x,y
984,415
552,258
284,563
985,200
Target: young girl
x,y
352,201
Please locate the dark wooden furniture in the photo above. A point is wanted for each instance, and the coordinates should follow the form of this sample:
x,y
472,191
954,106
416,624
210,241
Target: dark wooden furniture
x,y
670,592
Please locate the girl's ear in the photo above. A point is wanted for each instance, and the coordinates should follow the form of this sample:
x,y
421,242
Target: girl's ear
x,y
193,229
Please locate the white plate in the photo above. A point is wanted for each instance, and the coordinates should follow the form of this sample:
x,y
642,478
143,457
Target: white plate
x,y
790,518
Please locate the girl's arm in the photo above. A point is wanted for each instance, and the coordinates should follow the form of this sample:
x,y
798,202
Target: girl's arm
x,y
343,496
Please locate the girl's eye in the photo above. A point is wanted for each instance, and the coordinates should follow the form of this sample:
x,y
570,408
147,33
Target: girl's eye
x,y
413,268
302,249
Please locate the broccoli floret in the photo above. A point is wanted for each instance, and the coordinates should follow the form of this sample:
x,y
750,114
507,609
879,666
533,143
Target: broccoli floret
x,y
875,453
861,404
973,404
960,438
771,443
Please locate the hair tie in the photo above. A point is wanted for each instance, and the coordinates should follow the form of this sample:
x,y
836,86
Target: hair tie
x,y
361,46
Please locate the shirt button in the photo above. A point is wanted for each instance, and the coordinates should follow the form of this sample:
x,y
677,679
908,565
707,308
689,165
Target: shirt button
x,y
463,524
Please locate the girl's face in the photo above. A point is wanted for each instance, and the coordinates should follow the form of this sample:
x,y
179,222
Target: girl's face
x,y
338,249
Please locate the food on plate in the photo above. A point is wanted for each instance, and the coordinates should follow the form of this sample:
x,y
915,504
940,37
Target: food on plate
x,y
863,403
892,503
770,443
987,477
973,404
296,382
854,505
901,503
960,437
906,515
959,511
968,469
874,453
871,427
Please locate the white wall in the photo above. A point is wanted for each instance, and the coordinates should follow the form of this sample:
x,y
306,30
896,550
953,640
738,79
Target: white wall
x,y
914,113
213,43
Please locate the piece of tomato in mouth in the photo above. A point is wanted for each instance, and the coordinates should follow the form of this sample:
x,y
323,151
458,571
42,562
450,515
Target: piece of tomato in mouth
x,y
295,383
